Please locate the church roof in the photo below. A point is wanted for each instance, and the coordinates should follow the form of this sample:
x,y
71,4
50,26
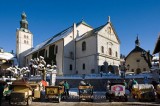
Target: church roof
x,y
84,23
136,49
96,30
52,39
157,47
57,37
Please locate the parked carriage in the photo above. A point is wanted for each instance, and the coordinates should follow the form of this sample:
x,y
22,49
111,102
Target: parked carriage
x,y
116,92
36,94
55,92
21,93
85,91
143,92
158,91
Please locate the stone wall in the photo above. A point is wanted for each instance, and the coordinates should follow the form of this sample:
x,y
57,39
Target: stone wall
x,y
99,84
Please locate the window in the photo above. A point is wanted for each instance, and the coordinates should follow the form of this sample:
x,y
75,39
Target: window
x,y
84,67
93,71
144,69
70,66
110,51
138,60
71,55
25,41
109,29
46,53
24,36
27,61
116,54
132,70
102,49
27,37
83,46
56,49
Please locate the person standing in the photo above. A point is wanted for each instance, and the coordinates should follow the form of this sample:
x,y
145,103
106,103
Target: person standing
x,y
130,85
1,92
125,84
66,88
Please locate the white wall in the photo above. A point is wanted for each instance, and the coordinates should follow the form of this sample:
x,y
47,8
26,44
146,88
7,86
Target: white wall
x,y
69,46
23,48
88,57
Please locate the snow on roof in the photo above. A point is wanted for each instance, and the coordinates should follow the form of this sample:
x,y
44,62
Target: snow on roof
x,y
6,56
53,39
61,35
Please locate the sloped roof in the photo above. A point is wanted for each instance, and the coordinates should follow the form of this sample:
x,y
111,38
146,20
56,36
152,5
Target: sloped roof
x,y
136,49
94,31
157,47
57,37
84,23
6,56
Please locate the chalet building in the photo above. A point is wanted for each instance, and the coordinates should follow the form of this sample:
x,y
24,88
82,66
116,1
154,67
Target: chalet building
x,y
138,60
157,48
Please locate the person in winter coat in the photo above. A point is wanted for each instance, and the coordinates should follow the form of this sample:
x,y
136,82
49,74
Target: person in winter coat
x,y
66,88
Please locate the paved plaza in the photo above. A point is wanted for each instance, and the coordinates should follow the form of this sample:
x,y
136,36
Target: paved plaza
x,y
99,100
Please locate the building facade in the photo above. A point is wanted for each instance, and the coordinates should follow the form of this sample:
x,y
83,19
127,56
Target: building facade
x,y
138,59
157,49
81,49
24,40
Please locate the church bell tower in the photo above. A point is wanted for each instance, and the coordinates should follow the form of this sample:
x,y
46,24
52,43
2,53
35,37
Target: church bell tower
x,y
24,40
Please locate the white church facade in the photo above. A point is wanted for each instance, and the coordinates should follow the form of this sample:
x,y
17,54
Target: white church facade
x,y
80,49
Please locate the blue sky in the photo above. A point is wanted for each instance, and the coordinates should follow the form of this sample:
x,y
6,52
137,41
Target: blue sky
x,y
48,17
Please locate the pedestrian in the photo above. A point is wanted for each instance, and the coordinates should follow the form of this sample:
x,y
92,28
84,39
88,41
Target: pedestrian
x,y
145,80
130,85
66,88
125,84
1,92
134,82
108,89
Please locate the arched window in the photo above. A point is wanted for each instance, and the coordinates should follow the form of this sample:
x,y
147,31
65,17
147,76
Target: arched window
x,y
83,46
25,41
116,54
56,49
102,49
70,66
110,51
46,53
109,29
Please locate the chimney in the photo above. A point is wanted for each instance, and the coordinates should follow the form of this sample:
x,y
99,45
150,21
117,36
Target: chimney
x,y
74,31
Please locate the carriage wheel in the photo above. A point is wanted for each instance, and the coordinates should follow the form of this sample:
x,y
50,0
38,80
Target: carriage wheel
x,y
59,99
29,101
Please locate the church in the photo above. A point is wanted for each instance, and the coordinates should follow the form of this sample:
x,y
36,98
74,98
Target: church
x,y
138,60
78,49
